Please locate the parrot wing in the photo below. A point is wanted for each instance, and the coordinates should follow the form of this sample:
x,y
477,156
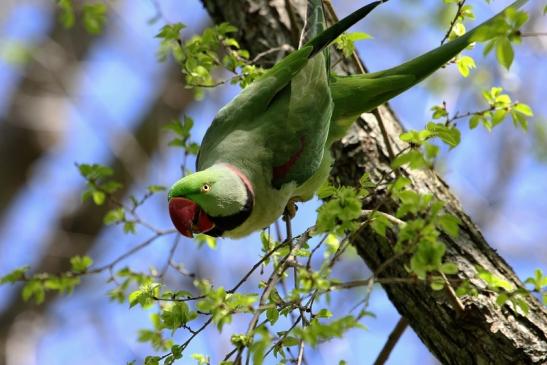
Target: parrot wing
x,y
284,115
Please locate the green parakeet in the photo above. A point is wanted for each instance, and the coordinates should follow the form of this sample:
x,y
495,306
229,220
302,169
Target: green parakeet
x,y
270,144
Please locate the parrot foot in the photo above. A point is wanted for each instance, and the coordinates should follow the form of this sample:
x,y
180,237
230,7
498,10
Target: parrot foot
x,y
290,209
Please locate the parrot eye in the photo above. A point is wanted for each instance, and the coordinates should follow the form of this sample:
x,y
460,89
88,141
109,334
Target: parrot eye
x,y
205,188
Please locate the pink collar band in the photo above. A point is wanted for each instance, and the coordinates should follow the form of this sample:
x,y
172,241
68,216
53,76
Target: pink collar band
x,y
242,176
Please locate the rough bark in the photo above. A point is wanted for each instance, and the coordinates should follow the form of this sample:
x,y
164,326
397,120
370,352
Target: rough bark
x,y
484,333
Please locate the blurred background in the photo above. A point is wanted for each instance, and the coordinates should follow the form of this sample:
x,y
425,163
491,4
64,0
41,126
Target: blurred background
x,y
68,97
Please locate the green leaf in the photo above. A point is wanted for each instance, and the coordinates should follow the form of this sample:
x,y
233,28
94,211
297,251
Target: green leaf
x,y
475,120
504,52
517,18
152,360
290,341
358,36
324,313
272,315
413,158
333,243
502,298
34,289
144,295
466,288
339,214
415,137
176,351
206,240
458,29
111,186
201,359
240,340
380,223
80,264
226,28
437,283
114,216
14,275
523,109
521,303
519,120
67,13
449,268
539,281
428,257
467,12
317,332
129,227
94,16
494,282
465,64
94,171
449,224
448,134
431,151
439,111
171,31
345,42
231,42
176,315
498,117
98,197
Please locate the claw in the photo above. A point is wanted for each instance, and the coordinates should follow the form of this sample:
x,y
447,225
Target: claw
x,y
290,209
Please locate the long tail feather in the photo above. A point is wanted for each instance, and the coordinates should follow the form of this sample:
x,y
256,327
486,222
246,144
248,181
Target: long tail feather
x,y
357,94
329,35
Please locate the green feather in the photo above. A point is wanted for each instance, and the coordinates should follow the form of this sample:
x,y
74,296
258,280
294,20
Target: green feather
x,y
357,94
225,194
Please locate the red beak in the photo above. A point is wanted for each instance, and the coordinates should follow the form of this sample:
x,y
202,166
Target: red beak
x,y
188,217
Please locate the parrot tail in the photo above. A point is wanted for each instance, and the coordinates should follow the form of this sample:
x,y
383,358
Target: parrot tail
x,y
424,65
328,36
357,94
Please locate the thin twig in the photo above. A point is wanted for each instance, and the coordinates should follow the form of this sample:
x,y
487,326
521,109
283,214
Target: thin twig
x,y
533,34
283,47
389,217
238,285
300,356
394,336
270,284
255,266
129,253
170,257
458,305
453,22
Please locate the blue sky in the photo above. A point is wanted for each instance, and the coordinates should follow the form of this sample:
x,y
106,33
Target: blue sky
x,y
115,86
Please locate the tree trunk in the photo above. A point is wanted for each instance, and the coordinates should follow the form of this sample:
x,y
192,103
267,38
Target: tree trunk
x,y
484,333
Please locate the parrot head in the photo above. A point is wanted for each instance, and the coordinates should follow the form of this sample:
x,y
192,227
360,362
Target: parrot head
x,y
212,201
